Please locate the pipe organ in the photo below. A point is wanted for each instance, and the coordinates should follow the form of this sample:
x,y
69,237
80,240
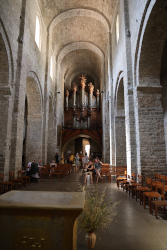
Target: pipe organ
x,y
82,108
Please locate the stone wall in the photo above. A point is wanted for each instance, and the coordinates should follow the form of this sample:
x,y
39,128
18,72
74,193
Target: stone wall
x,y
151,129
120,141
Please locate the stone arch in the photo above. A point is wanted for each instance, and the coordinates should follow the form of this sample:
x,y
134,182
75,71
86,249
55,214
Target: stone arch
x,y
64,75
120,75
33,75
34,120
120,134
77,46
149,118
7,57
79,12
79,136
6,83
139,40
152,35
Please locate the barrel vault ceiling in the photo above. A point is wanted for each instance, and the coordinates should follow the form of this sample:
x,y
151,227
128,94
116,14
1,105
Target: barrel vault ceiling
x,y
79,35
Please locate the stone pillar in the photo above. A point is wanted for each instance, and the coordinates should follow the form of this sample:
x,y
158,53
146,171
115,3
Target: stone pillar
x,y
120,154
67,96
19,100
91,89
131,150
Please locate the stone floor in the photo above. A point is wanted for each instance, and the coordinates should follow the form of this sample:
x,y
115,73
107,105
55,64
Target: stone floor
x,y
136,229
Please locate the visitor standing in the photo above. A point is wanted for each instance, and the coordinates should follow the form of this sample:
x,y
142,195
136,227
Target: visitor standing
x,y
57,157
77,162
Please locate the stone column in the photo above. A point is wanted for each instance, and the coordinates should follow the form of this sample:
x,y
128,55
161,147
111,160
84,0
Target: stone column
x,y
131,150
120,143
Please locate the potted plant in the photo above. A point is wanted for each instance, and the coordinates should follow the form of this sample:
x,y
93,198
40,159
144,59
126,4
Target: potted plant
x,y
98,213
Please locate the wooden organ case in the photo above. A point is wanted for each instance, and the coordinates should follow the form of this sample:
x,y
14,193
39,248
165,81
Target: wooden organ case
x,y
82,108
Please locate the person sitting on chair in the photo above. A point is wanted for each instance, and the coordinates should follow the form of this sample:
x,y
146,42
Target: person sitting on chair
x,y
53,164
90,168
34,171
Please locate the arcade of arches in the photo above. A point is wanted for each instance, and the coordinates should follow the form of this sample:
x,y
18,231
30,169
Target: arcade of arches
x,y
76,73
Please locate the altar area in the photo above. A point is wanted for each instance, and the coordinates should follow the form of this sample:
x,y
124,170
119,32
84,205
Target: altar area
x,y
42,219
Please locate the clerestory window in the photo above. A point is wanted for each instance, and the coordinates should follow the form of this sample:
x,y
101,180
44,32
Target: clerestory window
x,y
117,28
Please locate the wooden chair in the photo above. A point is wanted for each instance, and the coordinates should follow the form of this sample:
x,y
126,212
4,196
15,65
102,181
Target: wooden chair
x,y
25,179
139,190
159,204
69,166
63,171
105,172
159,193
156,177
131,180
119,179
46,172
5,185
125,183
16,181
134,185
105,166
54,172
162,178
119,171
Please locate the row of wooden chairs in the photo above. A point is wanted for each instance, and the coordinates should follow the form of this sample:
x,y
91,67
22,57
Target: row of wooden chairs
x,y
107,171
152,194
59,171
13,182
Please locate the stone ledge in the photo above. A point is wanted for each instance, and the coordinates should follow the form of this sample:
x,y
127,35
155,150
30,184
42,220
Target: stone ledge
x,y
149,90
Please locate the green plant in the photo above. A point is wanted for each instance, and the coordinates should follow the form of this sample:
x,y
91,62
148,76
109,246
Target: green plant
x,y
98,211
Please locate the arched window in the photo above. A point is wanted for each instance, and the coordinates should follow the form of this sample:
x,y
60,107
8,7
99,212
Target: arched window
x,y
51,67
37,32
117,28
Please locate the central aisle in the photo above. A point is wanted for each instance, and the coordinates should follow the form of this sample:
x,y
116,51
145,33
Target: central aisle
x,y
136,229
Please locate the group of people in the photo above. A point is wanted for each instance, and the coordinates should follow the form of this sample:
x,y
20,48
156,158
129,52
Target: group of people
x,y
89,165
93,168
33,168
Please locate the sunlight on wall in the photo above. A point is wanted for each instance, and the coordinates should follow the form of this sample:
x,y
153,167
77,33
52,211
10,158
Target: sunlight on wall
x,y
37,32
